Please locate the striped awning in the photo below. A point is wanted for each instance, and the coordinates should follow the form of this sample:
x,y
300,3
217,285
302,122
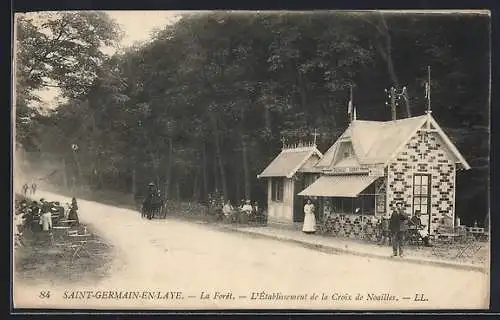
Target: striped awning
x,y
338,186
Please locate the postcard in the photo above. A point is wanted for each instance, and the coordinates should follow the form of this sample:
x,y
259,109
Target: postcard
x,y
223,160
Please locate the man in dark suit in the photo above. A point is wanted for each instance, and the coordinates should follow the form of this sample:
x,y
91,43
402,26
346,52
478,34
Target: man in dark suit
x,y
398,225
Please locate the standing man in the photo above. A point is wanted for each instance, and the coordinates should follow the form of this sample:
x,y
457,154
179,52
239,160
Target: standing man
x,y
150,201
33,188
398,226
25,189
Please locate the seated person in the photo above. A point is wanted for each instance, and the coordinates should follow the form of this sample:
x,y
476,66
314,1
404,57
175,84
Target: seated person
x,y
420,228
245,211
33,213
247,207
228,210
256,213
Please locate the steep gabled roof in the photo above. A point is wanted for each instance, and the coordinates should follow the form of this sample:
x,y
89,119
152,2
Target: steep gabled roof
x,y
378,142
289,161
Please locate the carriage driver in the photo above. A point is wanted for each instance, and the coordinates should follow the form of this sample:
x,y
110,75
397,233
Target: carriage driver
x,y
151,188
153,193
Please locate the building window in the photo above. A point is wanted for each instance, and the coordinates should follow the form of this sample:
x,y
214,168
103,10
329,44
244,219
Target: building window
x,y
277,187
421,192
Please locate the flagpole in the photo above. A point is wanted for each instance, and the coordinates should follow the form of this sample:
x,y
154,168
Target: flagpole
x,y
354,116
428,94
429,89
351,105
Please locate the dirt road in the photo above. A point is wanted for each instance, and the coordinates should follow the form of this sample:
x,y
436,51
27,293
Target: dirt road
x,y
238,271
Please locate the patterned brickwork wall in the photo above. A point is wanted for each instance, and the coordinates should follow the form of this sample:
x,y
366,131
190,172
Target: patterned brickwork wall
x,y
353,226
424,153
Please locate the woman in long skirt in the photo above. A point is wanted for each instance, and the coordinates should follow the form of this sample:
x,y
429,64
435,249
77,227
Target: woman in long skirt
x,y
73,213
309,218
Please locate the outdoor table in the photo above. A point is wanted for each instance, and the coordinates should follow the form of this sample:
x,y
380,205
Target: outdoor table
x,y
443,242
477,232
60,231
66,221
448,237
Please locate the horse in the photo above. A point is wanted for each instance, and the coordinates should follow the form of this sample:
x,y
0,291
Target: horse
x,y
152,206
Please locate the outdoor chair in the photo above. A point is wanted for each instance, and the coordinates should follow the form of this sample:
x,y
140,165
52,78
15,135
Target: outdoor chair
x,y
469,249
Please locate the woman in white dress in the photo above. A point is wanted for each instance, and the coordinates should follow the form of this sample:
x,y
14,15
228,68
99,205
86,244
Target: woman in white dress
x,y
46,220
309,218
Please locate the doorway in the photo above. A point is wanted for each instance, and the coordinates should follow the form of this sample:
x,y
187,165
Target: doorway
x,y
422,197
298,201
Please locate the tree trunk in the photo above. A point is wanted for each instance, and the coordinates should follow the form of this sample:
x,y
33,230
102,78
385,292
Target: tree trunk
x,y
302,91
169,167
205,178
267,119
215,173
177,190
100,182
219,157
78,169
222,169
387,56
238,187
195,184
65,174
246,169
133,181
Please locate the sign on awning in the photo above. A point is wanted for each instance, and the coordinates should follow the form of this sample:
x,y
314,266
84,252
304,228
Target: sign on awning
x,y
339,186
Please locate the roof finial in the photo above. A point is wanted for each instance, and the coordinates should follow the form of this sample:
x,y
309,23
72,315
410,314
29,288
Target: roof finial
x,y
315,134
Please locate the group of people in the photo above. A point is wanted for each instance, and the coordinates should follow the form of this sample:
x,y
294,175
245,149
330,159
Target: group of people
x,y
31,189
395,228
47,213
245,212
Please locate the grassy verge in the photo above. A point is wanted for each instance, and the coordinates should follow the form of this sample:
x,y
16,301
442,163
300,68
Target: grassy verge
x,y
41,260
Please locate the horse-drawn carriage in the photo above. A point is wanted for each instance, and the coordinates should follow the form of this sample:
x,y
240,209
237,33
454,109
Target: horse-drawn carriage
x,y
154,205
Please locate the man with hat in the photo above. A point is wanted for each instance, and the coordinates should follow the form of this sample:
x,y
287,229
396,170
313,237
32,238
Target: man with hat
x,y
146,206
398,226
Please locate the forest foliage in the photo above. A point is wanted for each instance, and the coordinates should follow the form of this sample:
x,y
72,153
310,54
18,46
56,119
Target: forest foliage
x,y
205,104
